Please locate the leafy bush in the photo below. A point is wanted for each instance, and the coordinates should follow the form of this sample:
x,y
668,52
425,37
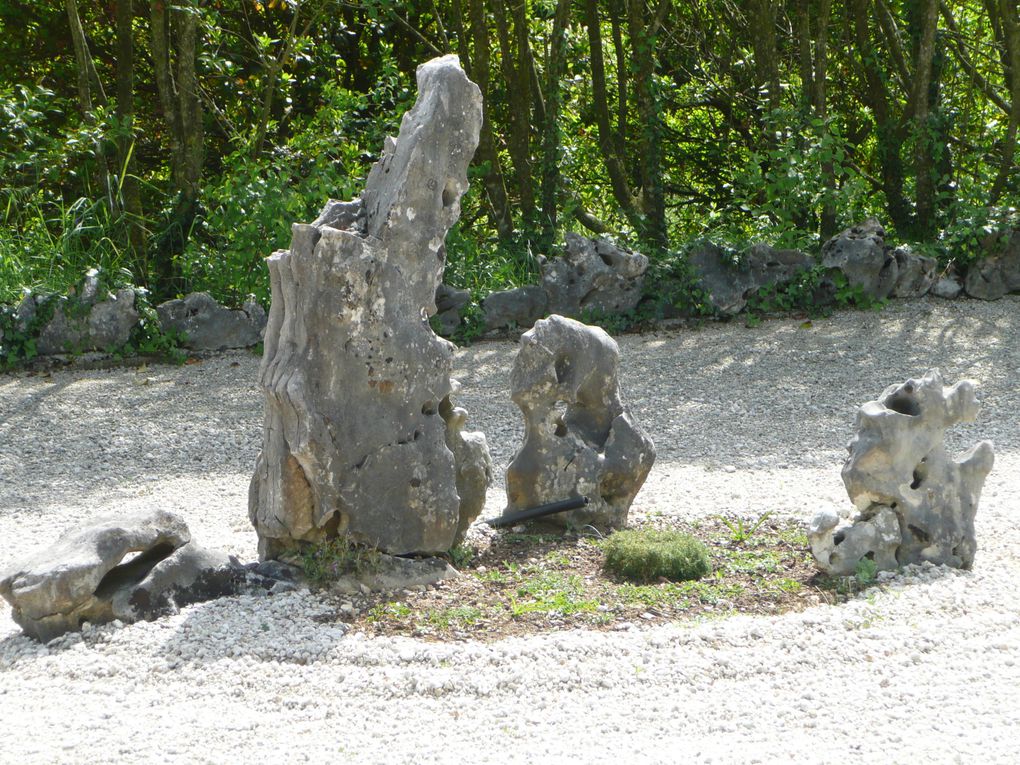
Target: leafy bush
x,y
645,555
332,558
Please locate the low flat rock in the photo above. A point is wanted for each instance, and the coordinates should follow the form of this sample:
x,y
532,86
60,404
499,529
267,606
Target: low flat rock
x,y
209,326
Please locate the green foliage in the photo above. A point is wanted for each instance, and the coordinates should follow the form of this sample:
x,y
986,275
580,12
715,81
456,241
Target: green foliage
x,y
742,530
815,291
646,555
251,206
339,556
866,572
551,592
461,555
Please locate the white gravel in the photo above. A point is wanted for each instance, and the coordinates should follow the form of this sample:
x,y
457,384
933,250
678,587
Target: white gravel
x,y
926,668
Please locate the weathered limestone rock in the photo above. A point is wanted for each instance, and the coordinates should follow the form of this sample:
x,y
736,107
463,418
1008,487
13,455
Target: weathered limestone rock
x,y
579,439
82,322
915,273
997,274
90,575
593,275
449,303
730,279
915,502
209,326
522,306
861,255
356,382
948,287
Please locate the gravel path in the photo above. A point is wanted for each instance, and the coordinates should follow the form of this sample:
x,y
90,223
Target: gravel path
x,y
926,668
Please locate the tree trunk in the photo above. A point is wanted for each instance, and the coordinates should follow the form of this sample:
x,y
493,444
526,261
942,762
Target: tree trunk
x,y
1009,26
924,172
614,161
516,77
889,128
129,189
551,128
177,82
495,185
87,76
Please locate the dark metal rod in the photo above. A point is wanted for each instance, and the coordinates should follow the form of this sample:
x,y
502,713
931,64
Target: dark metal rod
x,y
538,512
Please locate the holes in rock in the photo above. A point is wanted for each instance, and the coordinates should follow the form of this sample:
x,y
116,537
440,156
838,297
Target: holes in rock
x,y
920,473
870,555
415,483
449,193
562,368
903,403
560,427
838,537
133,569
606,259
428,408
417,435
920,535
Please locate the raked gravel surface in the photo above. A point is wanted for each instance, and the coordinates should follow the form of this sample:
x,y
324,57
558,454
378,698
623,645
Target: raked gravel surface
x,y
925,668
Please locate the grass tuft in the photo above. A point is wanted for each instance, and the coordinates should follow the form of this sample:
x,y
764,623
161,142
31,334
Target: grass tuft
x,y
646,555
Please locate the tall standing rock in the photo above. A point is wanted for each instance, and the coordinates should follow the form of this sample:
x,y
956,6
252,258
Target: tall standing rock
x,y
579,438
356,382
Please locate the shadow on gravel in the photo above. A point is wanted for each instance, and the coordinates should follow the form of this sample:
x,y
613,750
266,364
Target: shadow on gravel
x,y
281,628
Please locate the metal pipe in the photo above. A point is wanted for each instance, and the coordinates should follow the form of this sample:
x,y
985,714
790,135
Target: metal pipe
x,y
538,512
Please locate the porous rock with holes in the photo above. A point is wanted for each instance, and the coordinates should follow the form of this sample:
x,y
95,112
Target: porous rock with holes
x,y
579,438
916,503
361,437
593,275
128,567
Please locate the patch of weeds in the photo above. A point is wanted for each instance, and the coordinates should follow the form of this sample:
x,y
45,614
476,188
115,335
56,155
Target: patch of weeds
x,y
744,561
785,585
866,572
645,555
332,558
493,576
742,530
461,555
551,592
387,611
457,616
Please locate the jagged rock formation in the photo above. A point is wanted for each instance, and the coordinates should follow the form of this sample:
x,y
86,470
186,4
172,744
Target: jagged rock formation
x,y
360,435
87,575
521,306
915,502
998,273
86,320
209,326
731,279
579,438
860,253
593,275
915,273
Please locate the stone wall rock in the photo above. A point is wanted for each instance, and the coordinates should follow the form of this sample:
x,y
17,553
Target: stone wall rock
x,y
915,273
85,320
355,380
915,503
998,273
208,326
579,438
731,279
593,275
861,255
520,307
